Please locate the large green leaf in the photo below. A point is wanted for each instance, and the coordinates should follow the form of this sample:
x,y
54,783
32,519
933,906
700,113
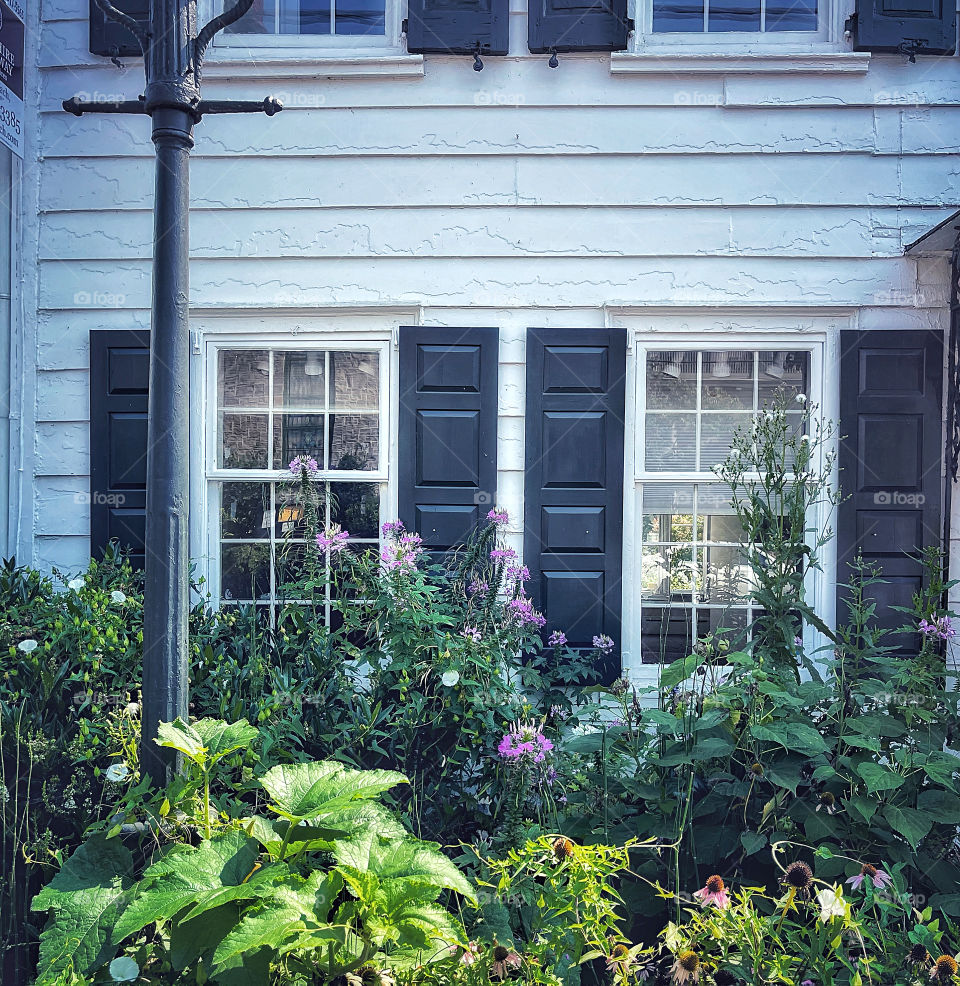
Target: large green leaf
x,y
908,822
941,806
673,674
206,740
196,939
190,880
308,790
879,778
84,900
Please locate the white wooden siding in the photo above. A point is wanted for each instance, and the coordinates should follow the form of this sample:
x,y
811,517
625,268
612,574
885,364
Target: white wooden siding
x,y
516,196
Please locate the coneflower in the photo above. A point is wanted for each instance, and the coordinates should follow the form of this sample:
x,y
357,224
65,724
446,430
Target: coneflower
x,y
799,876
686,969
918,954
827,803
724,977
944,969
563,847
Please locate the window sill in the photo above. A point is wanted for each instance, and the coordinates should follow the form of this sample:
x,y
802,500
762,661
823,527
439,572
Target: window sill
x,y
649,62
328,63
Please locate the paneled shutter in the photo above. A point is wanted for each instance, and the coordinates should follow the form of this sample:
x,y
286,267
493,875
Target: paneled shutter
x,y
113,40
458,27
890,457
119,375
910,27
574,481
577,25
447,431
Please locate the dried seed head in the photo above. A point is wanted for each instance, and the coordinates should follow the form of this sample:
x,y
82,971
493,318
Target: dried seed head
x,y
689,961
799,876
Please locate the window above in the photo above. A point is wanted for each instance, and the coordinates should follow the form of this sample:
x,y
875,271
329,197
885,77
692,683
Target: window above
x,y
740,16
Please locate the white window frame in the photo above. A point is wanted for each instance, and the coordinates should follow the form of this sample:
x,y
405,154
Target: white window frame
x,y
349,332
827,37
713,333
252,46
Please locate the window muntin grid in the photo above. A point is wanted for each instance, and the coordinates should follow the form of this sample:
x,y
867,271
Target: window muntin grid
x,y
273,404
734,16
693,579
313,18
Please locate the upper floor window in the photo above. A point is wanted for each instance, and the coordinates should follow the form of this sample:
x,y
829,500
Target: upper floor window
x,y
313,23
723,16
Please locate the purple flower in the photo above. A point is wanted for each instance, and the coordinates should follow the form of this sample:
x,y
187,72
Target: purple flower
x,y
880,878
304,463
524,742
557,639
471,633
503,554
401,555
521,574
523,612
603,643
392,528
939,627
333,540
497,516
478,586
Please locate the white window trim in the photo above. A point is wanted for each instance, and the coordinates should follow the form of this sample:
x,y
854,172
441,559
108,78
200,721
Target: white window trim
x,y
760,331
373,331
736,53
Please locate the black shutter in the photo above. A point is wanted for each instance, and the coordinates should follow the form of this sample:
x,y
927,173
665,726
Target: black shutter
x,y
447,430
119,375
577,25
891,455
113,40
574,481
458,27
910,27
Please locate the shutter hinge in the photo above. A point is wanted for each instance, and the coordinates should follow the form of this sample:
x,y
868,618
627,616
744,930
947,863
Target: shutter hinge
x,y
631,25
911,47
395,337
195,341
404,26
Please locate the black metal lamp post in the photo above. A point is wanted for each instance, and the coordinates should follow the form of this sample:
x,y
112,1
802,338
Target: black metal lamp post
x,y
173,59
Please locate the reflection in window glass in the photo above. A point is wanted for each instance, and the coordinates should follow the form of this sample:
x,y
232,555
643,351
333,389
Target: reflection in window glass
x,y
312,17
323,404
693,574
732,16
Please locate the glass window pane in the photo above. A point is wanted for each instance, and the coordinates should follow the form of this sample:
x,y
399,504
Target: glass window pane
x,y
293,515
243,441
297,434
245,572
791,15
784,375
360,17
305,16
671,381
734,15
261,18
666,634
713,504
355,381
293,564
242,376
668,498
245,510
726,576
354,441
671,442
299,380
727,381
728,623
716,436
677,15
356,508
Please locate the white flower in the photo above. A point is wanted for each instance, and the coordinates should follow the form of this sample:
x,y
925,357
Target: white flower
x,y
27,646
450,678
801,398
804,439
117,596
832,904
124,970
116,773
75,584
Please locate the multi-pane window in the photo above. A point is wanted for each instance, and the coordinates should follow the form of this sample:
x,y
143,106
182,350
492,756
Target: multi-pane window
x,y
275,405
694,578
312,17
723,16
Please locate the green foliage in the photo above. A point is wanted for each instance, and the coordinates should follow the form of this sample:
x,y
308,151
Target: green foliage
x,y
322,888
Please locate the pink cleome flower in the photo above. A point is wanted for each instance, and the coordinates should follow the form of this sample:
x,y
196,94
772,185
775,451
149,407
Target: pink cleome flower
x,y
499,517
939,627
557,639
333,540
304,464
401,554
522,742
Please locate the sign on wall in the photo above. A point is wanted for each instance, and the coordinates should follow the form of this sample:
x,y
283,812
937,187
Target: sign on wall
x,y
11,75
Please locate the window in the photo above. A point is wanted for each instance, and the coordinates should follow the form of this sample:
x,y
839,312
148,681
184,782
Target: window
x,y
724,16
271,406
693,579
346,23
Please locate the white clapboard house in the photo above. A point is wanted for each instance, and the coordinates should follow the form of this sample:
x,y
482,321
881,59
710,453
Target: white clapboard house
x,y
543,254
